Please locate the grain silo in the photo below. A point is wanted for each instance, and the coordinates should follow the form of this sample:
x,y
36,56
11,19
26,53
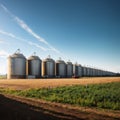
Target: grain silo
x,y
79,70
94,72
102,73
88,71
60,68
91,72
16,66
69,67
75,70
48,68
99,72
84,71
34,67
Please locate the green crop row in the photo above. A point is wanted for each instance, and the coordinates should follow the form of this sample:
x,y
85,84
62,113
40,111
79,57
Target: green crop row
x,y
100,95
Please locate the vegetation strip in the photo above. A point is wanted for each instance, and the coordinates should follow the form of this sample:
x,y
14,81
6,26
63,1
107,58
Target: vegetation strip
x,y
100,95
52,109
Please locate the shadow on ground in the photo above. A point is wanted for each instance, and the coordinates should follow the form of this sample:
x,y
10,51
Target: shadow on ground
x,y
14,110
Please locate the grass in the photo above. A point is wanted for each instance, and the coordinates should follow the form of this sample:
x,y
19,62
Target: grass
x,y
105,95
3,76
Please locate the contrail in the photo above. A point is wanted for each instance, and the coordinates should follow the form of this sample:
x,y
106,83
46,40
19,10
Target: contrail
x,y
30,43
38,46
7,34
24,26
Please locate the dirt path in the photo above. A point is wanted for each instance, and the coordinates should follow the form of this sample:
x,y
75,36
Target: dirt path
x,y
20,108
40,83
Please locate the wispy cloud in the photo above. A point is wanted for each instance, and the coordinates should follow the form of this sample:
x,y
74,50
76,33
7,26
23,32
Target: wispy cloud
x,y
21,39
24,26
3,53
38,46
6,10
7,34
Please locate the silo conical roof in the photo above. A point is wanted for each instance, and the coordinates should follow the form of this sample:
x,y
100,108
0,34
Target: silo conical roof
x,y
33,57
17,55
60,61
48,59
69,62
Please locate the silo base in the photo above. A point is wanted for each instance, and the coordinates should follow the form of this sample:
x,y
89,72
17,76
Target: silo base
x,y
48,76
16,77
69,76
61,76
33,76
38,76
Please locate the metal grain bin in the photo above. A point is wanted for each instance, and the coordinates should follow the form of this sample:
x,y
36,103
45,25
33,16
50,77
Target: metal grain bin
x,y
60,68
88,71
91,72
75,70
69,67
94,72
34,66
16,66
48,68
84,71
79,70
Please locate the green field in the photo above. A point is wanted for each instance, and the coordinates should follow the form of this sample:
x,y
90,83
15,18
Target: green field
x,y
105,95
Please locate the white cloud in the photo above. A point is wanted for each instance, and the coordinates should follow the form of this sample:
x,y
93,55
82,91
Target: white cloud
x,y
24,26
3,63
3,53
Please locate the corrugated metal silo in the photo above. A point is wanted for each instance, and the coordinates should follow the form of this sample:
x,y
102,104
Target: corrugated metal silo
x,y
60,68
79,70
90,71
34,66
16,66
100,72
87,71
84,71
75,70
69,68
94,72
48,68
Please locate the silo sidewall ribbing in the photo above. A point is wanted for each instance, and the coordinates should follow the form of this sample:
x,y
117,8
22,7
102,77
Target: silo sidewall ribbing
x,y
48,68
60,70
16,68
34,68
69,70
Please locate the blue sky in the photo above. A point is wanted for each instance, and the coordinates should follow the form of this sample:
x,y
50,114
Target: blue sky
x,y
86,31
